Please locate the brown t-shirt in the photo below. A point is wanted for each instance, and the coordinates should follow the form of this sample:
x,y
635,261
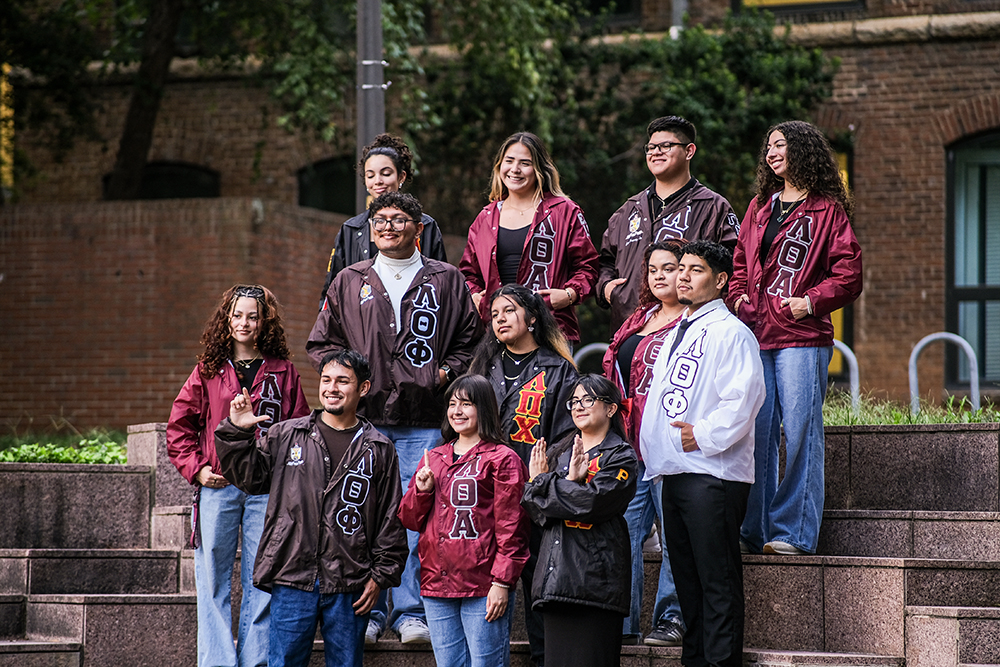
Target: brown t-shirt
x,y
337,441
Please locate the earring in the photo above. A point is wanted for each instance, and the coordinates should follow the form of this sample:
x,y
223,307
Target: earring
x,y
531,328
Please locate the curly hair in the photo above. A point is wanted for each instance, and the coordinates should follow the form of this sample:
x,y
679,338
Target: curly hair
x,y
218,334
405,202
673,246
546,174
393,148
810,164
546,331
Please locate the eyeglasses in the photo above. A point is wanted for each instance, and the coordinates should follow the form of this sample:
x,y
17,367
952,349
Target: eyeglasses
x,y
249,291
663,147
397,224
585,402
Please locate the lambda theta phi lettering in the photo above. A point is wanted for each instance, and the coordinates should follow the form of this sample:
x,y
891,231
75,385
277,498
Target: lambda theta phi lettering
x,y
682,375
541,250
464,497
674,225
354,492
270,403
792,256
528,412
423,326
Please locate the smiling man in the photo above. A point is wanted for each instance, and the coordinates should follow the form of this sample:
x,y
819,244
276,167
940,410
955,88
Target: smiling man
x,y
675,205
413,318
331,539
698,434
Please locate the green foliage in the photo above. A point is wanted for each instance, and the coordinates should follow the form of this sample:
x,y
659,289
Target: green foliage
x,y
94,447
837,411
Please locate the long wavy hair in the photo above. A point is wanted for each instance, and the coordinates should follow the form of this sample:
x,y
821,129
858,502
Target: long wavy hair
x,y
393,148
674,247
546,174
546,331
477,390
810,164
601,388
218,334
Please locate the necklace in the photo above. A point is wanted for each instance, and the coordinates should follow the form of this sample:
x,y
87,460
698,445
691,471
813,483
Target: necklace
x,y
784,211
399,274
245,363
517,362
532,207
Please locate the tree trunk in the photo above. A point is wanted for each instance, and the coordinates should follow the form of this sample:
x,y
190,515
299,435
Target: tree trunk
x,y
137,136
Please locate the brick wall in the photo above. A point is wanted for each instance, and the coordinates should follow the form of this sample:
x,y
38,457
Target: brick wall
x,y
103,303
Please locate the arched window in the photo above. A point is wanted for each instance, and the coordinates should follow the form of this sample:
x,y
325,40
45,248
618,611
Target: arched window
x,y
973,288
176,180
329,185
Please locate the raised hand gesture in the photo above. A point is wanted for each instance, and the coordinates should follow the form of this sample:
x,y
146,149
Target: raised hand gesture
x,y
578,461
425,477
538,463
241,412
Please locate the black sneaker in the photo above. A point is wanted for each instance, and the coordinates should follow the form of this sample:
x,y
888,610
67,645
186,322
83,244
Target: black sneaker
x,y
667,632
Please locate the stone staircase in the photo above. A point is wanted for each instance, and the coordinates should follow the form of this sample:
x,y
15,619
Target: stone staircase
x,y
94,570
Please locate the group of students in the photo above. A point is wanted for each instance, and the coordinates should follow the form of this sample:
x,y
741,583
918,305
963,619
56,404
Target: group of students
x,y
447,462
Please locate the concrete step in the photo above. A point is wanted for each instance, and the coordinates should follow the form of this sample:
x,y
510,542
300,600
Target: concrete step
x,y
389,652
911,534
952,636
27,653
854,605
89,571
753,658
118,630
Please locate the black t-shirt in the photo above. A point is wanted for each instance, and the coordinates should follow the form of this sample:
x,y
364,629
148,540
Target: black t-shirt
x,y
773,227
337,441
656,204
625,354
247,374
513,364
510,245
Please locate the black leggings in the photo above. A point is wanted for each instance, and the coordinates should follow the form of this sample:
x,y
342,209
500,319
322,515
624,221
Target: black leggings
x,y
580,636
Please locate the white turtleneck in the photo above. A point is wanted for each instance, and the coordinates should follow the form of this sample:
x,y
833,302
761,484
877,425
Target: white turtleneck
x,y
388,268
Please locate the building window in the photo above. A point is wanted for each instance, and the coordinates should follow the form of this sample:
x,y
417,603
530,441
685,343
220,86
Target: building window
x,y
329,185
175,180
973,290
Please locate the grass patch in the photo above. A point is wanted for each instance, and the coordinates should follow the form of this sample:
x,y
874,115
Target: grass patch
x,y
837,412
96,446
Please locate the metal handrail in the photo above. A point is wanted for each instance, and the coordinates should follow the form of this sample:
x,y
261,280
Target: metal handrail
x,y
588,350
853,375
973,367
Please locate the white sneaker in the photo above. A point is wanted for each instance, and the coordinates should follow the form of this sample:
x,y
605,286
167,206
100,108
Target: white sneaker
x,y
372,633
652,543
413,631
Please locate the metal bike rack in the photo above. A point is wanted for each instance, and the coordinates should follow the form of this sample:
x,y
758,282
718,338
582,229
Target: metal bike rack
x,y
853,375
588,350
973,367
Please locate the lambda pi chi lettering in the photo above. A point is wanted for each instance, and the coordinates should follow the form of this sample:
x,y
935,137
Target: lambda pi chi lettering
x,y
541,250
528,412
792,256
355,490
592,469
423,326
270,403
464,496
682,376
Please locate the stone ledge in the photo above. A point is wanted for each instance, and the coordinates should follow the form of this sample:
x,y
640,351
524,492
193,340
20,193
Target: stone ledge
x,y
972,25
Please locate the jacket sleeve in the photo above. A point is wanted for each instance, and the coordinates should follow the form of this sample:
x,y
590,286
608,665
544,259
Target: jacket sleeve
x,y
739,384
327,333
511,521
432,241
607,270
187,422
728,225
467,331
246,464
605,496
581,256
389,549
335,265
299,406
738,285
562,419
471,264
415,507
843,267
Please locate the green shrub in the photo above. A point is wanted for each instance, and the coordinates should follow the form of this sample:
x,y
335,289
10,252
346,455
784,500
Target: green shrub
x,y
837,412
94,447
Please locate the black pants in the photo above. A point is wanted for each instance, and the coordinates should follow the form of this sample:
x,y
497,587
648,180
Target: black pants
x,y
581,636
533,622
701,524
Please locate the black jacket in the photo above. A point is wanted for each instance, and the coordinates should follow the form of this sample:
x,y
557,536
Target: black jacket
x,y
334,522
353,245
585,556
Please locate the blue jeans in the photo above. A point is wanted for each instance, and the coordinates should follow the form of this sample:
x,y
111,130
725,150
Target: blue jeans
x,y
460,635
222,513
294,614
410,444
645,505
791,512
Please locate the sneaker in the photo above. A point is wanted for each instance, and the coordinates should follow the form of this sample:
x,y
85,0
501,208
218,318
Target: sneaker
x,y
783,548
745,547
372,633
631,640
413,631
667,632
652,544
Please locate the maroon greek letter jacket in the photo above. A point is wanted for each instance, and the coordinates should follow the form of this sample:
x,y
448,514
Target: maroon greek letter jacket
x,y
815,253
472,528
558,253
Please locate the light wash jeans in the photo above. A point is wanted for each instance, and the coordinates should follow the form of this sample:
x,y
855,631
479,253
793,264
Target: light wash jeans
x,y
645,505
294,614
222,513
460,635
410,444
791,512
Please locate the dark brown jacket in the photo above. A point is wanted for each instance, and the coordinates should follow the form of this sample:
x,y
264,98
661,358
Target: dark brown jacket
x,y
336,524
439,325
